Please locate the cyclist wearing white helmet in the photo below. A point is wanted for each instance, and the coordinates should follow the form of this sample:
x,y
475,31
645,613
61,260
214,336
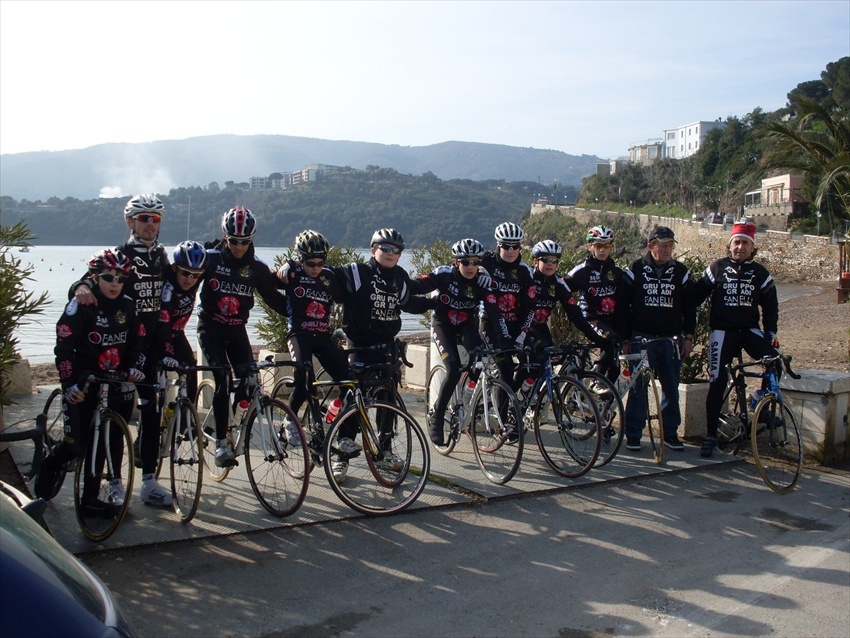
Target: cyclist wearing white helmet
x,y
143,215
514,289
463,287
233,273
596,280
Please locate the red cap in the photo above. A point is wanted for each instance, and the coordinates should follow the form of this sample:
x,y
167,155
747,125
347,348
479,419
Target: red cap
x,y
744,229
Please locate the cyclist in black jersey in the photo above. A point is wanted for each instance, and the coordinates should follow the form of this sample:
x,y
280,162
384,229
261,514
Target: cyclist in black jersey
x,y
738,288
232,274
514,289
143,215
462,289
596,280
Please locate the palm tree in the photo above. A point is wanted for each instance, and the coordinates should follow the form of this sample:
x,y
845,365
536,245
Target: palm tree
x,y
817,144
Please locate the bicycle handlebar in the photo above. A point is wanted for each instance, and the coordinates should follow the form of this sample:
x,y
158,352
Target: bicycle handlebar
x,y
783,359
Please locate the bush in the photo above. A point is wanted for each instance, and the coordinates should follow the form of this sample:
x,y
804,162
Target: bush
x,y
695,368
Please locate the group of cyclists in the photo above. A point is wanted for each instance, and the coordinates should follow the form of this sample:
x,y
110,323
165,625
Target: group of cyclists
x,y
130,311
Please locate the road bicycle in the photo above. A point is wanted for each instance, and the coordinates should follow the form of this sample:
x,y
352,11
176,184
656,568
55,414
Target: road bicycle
x,y
390,471
490,415
563,414
182,442
773,433
276,461
650,391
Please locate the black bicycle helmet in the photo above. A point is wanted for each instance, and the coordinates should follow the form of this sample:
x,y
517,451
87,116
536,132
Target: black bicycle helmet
x,y
190,255
310,244
388,236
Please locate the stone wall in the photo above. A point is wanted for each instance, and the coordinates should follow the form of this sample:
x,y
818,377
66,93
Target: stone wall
x,y
789,258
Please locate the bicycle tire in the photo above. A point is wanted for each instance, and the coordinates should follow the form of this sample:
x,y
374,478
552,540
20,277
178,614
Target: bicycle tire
x,y
567,429
282,389
55,432
186,461
365,487
278,470
777,444
204,410
97,528
654,420
497,430
611,413
450,421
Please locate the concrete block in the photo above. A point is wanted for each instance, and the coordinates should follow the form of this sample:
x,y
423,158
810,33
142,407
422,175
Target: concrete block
x,y
19,378
820,401
692,405
417,376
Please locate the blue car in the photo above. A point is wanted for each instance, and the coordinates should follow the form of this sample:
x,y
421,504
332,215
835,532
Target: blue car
x,y
45,590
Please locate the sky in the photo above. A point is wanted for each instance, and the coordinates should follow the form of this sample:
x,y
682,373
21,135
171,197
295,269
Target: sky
x,y
579,77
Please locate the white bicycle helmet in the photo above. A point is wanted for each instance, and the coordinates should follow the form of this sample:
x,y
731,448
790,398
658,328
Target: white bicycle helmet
x,y
509,233
141,204
546,247
600,235
388,236
238,222
467,248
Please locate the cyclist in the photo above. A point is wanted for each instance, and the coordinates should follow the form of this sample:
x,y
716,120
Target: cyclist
x,y
596,280
552,289
463,287
738,288
310,290
515,292
374,295
656,299
143,215
89,339
182,281
232,273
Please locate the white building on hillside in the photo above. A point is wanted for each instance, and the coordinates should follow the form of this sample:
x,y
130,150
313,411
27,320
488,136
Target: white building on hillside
x,y
684,141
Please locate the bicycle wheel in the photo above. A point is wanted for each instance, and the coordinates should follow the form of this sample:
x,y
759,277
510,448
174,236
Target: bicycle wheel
x,y
654,422
277,468
204,410
731,432
187,461
497,430
97,516
566,426
55,431
450,425
283,388
777,445
611,413
376,485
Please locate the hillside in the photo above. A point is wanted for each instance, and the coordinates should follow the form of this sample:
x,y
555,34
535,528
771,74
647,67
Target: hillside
x,y
121,169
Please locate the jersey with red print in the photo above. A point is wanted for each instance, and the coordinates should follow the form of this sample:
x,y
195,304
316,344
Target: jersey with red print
x,y
90,339
227,294
553,289
596,282
515,291
176,306
310,300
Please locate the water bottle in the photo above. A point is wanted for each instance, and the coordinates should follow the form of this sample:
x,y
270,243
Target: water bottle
x,y
240,411
758,395
169,412
526,386
623,381
333,410
468,391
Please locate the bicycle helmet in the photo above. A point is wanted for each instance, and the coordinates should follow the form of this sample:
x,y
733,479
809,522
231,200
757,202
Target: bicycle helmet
x,y
509,233
141,204
110,260
600,235
467,248
388,236
311,244
190,255
546,247
238,222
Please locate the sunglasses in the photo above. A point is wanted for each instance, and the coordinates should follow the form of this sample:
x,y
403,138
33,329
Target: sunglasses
x,y
109,277
598,246
469,262
149,219
549,260
393,250
238,242
314,264
188,274
509,246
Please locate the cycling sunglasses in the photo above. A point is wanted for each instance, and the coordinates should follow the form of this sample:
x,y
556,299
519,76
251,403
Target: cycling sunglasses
x,y
549,260
393,250
509,246
314,264
109,277
469,262
235,241
148,219
189,274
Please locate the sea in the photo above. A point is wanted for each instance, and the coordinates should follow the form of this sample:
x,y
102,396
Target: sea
x,y
55,268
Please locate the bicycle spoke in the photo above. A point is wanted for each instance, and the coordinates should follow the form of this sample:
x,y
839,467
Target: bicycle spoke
x,y
497,431
777,446
186,459
567,429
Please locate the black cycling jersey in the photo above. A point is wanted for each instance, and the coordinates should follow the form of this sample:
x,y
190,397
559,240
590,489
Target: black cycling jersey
x,y
176,306
551,290
310,299
515,292
596,282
